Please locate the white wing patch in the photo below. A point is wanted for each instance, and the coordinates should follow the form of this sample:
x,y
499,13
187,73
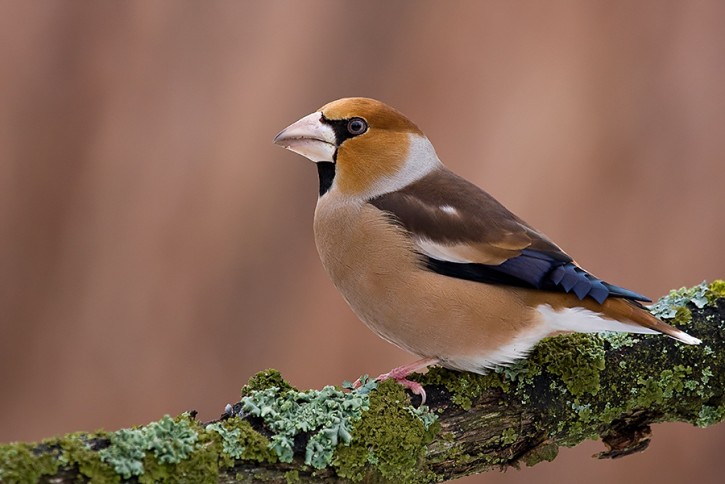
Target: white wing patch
x,y
449,210
440,251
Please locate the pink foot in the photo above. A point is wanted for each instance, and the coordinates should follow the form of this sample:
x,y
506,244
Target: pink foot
x,y
401,374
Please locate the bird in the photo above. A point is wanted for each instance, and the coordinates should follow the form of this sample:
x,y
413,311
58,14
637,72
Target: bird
x,y
432,263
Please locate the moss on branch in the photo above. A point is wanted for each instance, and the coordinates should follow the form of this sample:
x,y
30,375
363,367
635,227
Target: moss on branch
x,y
572,388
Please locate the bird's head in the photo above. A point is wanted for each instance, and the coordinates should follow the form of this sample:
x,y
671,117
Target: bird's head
x,y
362,147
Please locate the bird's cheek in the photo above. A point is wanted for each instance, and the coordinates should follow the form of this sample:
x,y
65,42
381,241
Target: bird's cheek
x,y
363,163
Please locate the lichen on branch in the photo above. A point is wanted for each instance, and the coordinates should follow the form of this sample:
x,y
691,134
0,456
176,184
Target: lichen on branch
x,y
572,388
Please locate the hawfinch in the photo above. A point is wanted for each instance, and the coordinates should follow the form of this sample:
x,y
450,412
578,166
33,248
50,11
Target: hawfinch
x,y
432,263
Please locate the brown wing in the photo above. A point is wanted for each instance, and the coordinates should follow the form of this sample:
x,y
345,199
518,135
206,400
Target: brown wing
x,y
462,231
447,211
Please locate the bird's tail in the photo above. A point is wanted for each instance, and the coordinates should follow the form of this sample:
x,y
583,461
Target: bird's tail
x,y
628,310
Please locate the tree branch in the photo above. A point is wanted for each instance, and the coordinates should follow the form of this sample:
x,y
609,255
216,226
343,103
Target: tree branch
x,y
571,388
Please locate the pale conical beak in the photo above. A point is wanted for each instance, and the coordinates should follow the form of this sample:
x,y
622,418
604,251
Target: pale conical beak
x,y
309,137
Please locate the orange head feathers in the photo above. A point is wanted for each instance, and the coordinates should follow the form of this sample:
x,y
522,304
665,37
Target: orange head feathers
x,y
374,147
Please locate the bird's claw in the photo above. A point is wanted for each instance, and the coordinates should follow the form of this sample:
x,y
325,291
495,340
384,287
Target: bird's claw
x,y
415,387
401,374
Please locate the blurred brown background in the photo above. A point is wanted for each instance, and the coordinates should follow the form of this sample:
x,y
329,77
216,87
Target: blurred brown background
x,y
156,249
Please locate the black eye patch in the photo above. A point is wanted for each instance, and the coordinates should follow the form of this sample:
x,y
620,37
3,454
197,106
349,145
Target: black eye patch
x,y
346,128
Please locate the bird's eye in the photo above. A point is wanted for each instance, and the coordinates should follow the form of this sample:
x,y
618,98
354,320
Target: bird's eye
x,y
357,126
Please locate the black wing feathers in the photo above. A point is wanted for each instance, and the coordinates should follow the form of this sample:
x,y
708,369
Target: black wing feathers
x,y
535,270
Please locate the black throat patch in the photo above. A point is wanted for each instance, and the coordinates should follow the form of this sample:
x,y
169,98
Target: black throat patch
x,y
326,172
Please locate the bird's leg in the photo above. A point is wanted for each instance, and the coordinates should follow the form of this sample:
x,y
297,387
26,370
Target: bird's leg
x,y
401,373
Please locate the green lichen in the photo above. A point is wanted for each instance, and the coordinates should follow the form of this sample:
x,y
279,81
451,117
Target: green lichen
x,y
181,450
240,441
423,413
389,443
22,463
169,449
677,392
710,415
263,380
706,375
681,387
386,439
464,387
716,290
682,316
326,416
666,307
617,340
578,359
672,380
76,452
291,477
545,452
231,439
178,450
169,440
509,436
126,452
654,390
200,466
